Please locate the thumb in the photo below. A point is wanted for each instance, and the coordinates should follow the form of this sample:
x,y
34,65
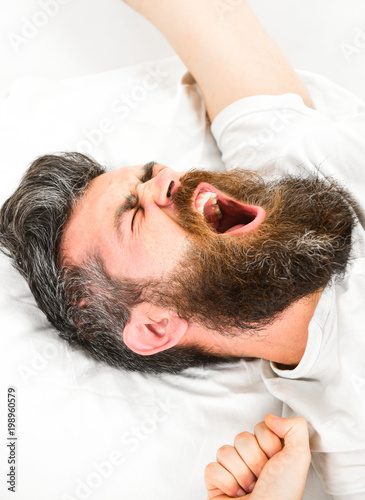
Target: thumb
x,y
284,475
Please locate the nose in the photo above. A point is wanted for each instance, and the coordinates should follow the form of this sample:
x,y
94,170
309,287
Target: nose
x,y
160,188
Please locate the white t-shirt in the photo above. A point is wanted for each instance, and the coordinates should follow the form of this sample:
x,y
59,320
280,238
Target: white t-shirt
x,y
275,135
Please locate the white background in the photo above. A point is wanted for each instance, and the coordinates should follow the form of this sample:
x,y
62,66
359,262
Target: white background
x,y
88,36
84,37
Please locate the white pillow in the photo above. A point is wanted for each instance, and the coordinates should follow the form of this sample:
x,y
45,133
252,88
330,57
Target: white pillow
x,y
85,430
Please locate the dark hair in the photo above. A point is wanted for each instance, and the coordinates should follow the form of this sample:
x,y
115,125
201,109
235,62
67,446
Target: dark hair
x,y
32,221
86,305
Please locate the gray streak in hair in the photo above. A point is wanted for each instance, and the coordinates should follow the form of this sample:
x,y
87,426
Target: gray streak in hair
x,y
86,306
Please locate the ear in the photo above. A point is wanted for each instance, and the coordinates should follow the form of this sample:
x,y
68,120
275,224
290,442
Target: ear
x,y
151,329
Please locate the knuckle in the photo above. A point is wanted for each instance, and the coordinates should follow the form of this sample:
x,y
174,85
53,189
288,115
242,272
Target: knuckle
x,y
223,452
242,438
210,468
302,421
259,427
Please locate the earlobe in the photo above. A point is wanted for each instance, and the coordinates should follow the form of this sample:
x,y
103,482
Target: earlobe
x,y
151,329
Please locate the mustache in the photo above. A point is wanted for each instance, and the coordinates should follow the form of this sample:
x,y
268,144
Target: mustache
x,y
241,186
309,204
244,281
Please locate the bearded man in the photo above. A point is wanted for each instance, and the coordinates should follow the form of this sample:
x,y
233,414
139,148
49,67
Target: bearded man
x,y
152,270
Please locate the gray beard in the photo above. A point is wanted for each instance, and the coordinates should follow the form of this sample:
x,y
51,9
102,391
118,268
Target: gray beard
x,y
244,282
225,283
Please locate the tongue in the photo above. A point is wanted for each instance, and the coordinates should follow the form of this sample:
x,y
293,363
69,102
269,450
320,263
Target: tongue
x,y
234,222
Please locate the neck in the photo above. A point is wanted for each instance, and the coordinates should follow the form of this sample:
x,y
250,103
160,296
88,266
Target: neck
x,y
282,342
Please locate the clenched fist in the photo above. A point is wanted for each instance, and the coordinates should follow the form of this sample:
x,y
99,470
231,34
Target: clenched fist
x,y
270,464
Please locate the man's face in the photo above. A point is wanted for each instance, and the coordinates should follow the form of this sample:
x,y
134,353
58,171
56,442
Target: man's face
x,y
226,250
127,216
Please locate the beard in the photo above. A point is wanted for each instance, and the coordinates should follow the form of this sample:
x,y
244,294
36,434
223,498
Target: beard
x,y
271,244
240,272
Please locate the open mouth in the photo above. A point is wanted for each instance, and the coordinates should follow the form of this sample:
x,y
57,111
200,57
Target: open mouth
x,y
224,214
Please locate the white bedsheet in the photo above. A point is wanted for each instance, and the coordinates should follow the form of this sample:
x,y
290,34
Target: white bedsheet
x,y
86,430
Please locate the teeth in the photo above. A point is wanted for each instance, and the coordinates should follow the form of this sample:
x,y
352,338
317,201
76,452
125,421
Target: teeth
x,y
218,212
203,199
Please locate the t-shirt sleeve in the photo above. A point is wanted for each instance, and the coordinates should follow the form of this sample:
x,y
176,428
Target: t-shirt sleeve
x,y
278,135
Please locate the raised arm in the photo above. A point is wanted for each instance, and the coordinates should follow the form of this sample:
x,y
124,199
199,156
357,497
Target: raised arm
x,y
225,48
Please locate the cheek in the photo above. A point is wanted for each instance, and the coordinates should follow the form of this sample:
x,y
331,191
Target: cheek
x,y
159,252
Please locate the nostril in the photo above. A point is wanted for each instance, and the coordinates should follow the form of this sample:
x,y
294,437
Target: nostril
x,y
168,194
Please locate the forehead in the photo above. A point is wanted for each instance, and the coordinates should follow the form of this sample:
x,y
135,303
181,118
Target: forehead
x,y
90,226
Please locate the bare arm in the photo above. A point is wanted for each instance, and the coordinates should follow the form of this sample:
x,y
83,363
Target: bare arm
x,y
228,52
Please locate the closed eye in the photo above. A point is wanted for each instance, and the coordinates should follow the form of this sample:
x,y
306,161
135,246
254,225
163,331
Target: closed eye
x,y
134,215
132,200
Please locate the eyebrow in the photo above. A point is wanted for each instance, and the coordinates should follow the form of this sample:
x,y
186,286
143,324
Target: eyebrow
x,y
130,200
